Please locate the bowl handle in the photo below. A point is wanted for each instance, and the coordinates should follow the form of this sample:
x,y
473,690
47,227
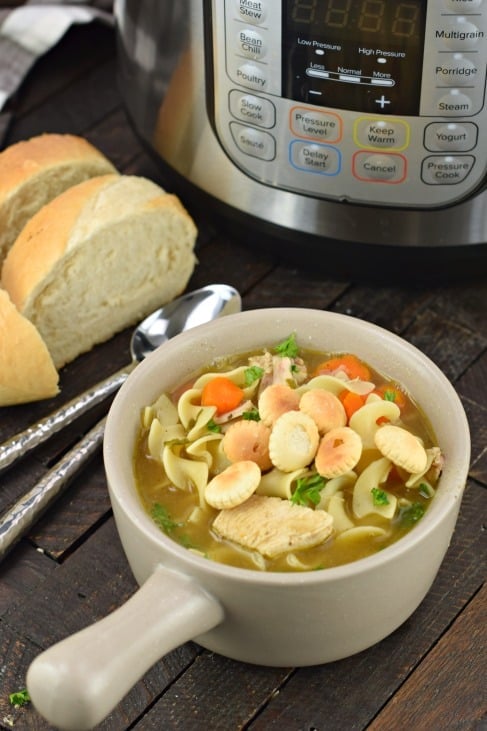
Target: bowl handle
x,y
77,682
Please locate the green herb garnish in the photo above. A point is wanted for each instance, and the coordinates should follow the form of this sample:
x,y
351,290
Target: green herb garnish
x,y
251,415
161,517
288,348
308,490
379,497
213,427
425,490
20,698
411,514
389,395
252,374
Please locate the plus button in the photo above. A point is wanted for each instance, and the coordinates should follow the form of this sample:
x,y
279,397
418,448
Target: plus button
x,y
382,102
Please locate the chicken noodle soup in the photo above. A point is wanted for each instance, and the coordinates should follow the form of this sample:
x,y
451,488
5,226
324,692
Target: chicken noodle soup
x,y
286,460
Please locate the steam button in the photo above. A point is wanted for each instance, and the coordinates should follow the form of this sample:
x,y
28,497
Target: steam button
x,y
454,104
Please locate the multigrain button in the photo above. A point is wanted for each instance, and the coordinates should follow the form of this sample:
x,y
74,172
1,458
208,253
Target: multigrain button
x,y
459,34
251,44
252,76
253,142
446,169
456,71
453,136
251,11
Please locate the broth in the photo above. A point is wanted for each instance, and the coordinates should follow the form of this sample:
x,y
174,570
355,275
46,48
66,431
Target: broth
x,y
183,513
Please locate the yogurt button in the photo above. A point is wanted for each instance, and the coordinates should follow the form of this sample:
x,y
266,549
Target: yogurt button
x,y
453,136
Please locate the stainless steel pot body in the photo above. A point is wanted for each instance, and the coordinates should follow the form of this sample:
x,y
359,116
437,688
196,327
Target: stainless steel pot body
x,y
165,77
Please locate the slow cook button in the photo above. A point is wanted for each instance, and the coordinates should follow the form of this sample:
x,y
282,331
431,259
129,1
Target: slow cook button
x,y
452,136
380,168
315,158
251,11
456,71
252,109
253,142
254,77
446,169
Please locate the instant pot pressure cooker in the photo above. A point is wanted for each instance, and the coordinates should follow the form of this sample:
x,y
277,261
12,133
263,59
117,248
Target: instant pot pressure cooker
x,y
330,127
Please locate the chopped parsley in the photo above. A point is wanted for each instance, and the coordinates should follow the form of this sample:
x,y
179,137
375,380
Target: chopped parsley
x,y
252,374
213,427
288,348
251,415
411,514
389,395
20,698
163,520
308,490
379,496
425,490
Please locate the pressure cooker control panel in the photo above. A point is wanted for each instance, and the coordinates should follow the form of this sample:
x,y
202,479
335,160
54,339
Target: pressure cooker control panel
x,y
370,101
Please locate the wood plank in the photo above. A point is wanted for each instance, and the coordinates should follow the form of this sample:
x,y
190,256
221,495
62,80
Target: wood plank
x,y
346,694
443,692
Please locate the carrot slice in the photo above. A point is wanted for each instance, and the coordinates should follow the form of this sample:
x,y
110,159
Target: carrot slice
x,y
353,367
390,392
351,402
222,393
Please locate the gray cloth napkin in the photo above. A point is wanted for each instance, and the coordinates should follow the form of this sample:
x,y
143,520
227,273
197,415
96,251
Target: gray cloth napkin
x,y
28,30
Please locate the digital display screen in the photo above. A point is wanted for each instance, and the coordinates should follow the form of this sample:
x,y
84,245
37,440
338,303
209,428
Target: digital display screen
x,y
362,55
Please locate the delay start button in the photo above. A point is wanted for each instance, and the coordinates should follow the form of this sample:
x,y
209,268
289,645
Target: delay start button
x,y
446,169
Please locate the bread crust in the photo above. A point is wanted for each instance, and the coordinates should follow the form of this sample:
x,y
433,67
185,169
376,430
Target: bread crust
x,y
27,372
33,172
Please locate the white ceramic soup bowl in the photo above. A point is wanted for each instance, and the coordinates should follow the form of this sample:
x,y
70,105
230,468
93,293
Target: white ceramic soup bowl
x,y
280,619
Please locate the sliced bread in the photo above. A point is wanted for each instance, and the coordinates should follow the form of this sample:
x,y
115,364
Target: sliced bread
x,y
97,259
35,171
27,372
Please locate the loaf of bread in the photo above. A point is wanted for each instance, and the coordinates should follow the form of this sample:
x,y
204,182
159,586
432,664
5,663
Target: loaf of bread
x,y
35,171
27,372
97,259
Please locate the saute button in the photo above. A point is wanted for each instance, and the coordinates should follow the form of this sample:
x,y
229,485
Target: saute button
x,y
253,142
452,136
446,169
252,11
252,109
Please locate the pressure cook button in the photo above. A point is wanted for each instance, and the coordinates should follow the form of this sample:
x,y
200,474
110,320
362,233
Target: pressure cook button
x,y
253,142
251,44
459,34
446,169
456,71
252,109
315,158
453,136
379,168
254,77
251,11
455,103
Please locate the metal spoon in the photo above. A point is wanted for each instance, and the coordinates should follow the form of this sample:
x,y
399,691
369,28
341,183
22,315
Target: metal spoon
x,y
194,308
191,309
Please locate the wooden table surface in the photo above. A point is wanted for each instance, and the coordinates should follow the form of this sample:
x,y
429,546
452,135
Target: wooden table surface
x,y
70,571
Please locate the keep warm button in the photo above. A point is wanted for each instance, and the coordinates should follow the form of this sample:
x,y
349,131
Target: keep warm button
x,y
379,168
446,169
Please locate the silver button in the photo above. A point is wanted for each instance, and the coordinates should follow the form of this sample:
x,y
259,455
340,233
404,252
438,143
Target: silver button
x,y
446,169
253,142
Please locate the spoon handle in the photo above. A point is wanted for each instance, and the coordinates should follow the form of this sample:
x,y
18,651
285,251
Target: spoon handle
x,y
18,445
16,521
